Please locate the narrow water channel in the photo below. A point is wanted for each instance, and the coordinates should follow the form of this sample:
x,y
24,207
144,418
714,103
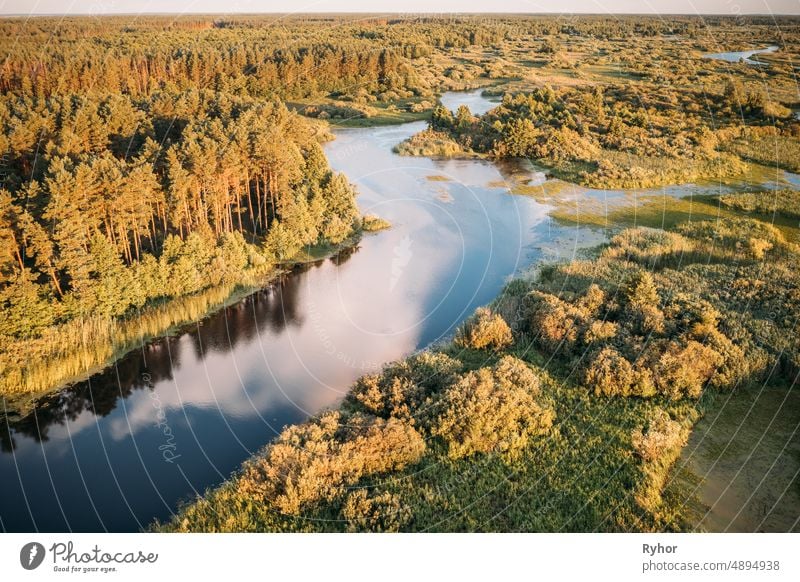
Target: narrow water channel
x,y
742,56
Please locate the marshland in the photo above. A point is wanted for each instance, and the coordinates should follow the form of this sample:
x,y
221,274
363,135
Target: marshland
x,y
381,273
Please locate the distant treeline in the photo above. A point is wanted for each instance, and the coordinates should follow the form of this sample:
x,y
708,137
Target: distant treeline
x,y
144,159
263,56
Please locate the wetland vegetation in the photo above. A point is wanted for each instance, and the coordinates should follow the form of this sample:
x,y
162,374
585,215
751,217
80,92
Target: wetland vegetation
x,y
562,407
153,171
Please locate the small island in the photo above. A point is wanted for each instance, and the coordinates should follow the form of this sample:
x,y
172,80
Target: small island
x,y
373,223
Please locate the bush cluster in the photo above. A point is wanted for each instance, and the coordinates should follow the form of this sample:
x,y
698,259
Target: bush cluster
x,y
383,426
639,335
484,330
317,460
404,389
491,411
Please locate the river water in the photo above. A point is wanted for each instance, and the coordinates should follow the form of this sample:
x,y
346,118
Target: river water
x,y
179,415
744,56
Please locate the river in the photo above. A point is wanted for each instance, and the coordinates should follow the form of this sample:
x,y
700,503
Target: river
x,y
742,56
179,415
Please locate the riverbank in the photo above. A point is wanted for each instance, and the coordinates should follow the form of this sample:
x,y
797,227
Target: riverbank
x,y
588,444
282,354
286,354
87,347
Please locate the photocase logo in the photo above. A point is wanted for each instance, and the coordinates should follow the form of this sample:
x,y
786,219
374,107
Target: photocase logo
x,y
402,256
31,555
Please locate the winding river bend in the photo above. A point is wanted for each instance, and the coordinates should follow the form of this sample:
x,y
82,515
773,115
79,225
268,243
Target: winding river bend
x,y
179,415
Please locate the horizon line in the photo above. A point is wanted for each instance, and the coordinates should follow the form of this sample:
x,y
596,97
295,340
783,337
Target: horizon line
x,y
411,14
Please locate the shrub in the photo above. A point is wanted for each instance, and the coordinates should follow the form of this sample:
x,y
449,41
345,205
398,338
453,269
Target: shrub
x,y
315,461
555,323
641,307
593,299
484,330
403,389
491,410
660,436
608,373
640,290
682,368
734,366
692,315
511,373
378,513
430,143
433,370
697,319
387,396
645,319
600,332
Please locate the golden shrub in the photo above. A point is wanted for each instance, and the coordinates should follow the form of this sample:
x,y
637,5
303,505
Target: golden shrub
x,y
491,410
555,323
593,299
608,373
644,319
641,290
316,460
682,368
511,373
403,388
660,436
484,330
600,331
735,366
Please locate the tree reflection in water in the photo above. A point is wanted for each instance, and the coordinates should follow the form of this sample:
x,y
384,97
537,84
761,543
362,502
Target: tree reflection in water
x,y
275,306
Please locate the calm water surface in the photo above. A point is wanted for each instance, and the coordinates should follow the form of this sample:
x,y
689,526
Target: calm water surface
x,y
736,56
178,416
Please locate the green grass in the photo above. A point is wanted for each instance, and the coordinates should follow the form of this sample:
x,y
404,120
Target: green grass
x,y
583,474
384,118
663,211
365,114
780,203
312,254
776,151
